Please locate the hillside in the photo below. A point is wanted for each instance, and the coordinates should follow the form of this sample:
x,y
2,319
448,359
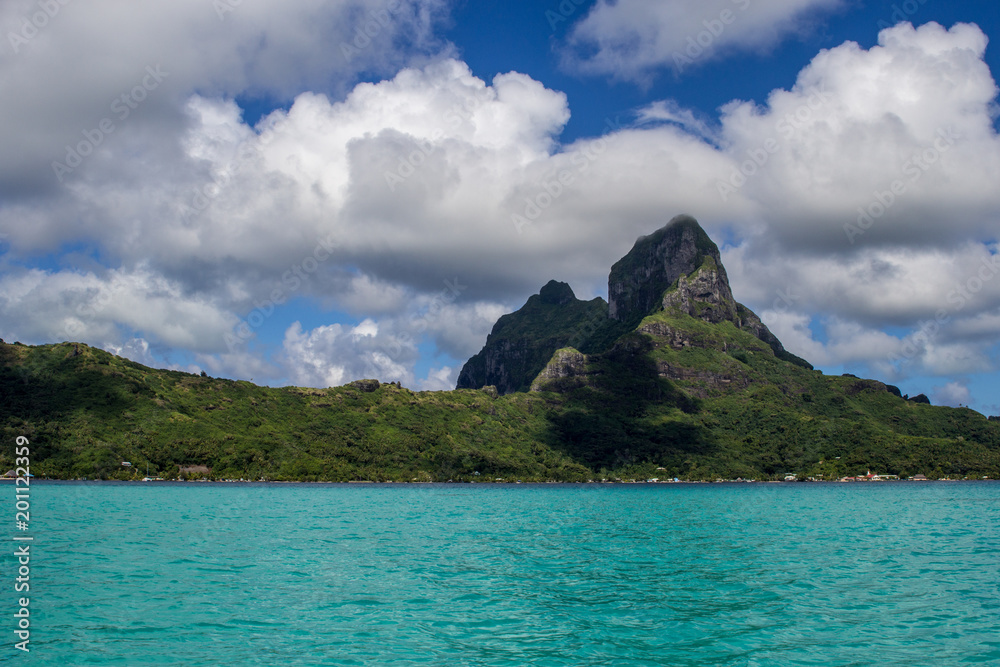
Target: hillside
x,y
671,378
522,342
696,384
86,411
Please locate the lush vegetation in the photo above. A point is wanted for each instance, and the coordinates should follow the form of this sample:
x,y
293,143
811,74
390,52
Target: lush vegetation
x,y
664,394
525,340
724,408
86,411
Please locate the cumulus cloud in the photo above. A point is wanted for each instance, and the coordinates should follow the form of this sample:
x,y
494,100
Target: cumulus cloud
x,y
877,286
79,64
105,309
427,204
953,394
835,312
330,356
440,379
890,146
631,39
138,350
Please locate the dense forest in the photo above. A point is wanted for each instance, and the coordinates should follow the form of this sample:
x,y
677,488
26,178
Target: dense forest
x,y
87,411
671,378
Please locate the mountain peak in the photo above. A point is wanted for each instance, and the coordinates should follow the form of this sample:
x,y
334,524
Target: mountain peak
x,y
678,268
521,343
676,271
557,293
657,262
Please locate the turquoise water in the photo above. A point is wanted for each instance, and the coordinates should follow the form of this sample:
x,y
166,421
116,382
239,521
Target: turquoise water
x,y
790,574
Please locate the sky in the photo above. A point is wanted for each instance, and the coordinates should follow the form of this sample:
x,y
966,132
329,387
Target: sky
x,y
308,192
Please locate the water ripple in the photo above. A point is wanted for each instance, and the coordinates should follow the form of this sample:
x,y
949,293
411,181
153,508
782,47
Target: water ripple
x,y
894,574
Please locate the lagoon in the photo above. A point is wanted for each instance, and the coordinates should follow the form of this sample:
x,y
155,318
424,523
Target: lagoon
x,y
440,574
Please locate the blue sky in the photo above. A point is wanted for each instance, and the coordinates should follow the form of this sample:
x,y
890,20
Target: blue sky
x,y
267,192
521,37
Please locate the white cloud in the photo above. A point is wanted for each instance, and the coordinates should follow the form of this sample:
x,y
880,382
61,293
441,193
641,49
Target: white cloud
x,y
630,39
369,202
844,342
930,349
364,294
136,349
669,111
90,54
984,325
915,111
953,394
878,285
249,364
103,310
329,356
944,358
440,379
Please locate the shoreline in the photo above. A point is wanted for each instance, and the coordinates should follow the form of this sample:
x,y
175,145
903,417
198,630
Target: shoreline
x,y
175,482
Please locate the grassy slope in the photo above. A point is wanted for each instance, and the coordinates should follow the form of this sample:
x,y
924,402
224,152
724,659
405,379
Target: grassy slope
x,y
85,411
536,331
772,417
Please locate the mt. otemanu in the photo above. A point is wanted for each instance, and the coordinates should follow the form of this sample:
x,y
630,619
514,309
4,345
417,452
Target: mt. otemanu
x,y
677,270
669,378
673,370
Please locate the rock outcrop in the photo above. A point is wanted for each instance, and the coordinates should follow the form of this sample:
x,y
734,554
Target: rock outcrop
x,y
677,270
639,279
523,342
565,365
704,294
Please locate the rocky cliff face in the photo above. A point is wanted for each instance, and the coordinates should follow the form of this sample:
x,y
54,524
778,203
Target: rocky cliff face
x,y
639,279
676,271
523,342
682,265
705,294
565,364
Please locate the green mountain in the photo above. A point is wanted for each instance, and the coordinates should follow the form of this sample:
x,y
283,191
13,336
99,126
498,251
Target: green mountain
x,y
683,376
521,343
669,378
678,268
86,411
